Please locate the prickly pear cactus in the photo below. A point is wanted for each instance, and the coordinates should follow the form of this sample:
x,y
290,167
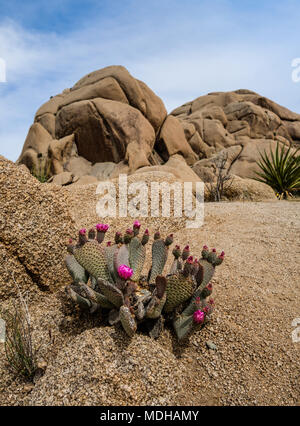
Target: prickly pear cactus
x,y
108,277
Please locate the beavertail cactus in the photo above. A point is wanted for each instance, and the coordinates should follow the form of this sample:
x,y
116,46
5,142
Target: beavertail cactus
x,y
108,276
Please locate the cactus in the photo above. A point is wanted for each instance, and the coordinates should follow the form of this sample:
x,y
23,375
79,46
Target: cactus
x,y
108,277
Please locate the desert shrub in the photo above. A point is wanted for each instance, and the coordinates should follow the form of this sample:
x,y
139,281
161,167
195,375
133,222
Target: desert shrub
x,y
281,171
41,171
20,351
222,179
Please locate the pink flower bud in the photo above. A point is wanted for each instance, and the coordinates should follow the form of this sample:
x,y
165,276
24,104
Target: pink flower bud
x,y
70,241
177,247
205,247
198,316
214,250
129,231
108,244
125,272
146,231
82,231
136,224
209,286
190,259
101,227
186,248
211,301
222,254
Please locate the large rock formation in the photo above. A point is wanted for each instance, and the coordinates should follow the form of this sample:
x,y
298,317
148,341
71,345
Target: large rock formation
x,y
107,116
110,123
240,124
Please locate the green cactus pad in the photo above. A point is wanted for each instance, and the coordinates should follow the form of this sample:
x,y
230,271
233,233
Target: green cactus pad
x,y
78,299
110,252
179,289
128,321
76,271
121,256
92,258
204,275
98,298
159,258
137,255
112,293
155,306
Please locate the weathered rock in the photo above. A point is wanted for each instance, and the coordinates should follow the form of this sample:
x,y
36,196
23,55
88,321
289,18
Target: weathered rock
x,y
248,190
37,140
86,180
172,141
102,171
78,166
63,178
151,374
104,129
60,151
34,227
241,119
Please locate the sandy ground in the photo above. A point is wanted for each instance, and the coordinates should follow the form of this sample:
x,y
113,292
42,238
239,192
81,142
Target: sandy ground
x,y
257,296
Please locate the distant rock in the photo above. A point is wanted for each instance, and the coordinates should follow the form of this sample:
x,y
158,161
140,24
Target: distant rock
x,y
110,123
242,123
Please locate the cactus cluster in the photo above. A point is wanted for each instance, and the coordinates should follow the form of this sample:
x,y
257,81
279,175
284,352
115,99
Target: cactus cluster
x,y
109,277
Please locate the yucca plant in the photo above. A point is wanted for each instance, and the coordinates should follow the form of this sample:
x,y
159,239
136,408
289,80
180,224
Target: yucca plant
x,y
281,171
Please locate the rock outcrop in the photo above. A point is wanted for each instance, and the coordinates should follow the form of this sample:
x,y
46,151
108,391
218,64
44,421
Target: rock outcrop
x,y
241,123
35,224
110,123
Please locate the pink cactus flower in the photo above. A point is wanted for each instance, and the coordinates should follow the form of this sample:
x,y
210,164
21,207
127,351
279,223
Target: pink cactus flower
x,y
82,231
136,224
214,250
190,259
146,231
125,272
186,248
108,244
209,286
198,316
177,247
205,247
222,254
101,227
129,231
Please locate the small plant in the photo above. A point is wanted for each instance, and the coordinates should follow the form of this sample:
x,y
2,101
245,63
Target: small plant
x,y
109,278
281,171
20,352
222,181
41,171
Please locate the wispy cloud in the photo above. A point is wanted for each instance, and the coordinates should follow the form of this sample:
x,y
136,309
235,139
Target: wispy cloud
x,y
180,49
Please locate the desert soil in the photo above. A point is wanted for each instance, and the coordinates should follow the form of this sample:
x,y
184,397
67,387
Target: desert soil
x,y
257,296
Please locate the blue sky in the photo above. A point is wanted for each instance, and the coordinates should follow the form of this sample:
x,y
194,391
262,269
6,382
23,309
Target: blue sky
x,y
181,48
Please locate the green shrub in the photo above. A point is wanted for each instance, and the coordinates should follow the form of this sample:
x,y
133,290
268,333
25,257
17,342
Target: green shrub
x,y
281,171
42,170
